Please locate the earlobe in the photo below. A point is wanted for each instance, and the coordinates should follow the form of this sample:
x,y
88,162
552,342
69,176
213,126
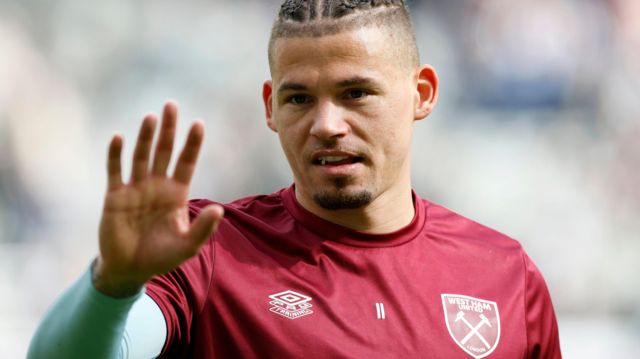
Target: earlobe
x,y
267,99
426,91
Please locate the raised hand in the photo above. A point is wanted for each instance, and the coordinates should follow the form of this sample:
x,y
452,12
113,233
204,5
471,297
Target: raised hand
x,y
145,228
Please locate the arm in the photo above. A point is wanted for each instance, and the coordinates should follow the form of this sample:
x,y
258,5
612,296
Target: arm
x,y
542,327
84,322
145,332
145,230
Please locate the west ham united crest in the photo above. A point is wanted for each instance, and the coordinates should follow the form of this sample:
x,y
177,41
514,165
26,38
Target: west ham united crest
x,y
474,324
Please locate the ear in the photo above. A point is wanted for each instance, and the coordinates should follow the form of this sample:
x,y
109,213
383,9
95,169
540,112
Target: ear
x,y
267,92
426,95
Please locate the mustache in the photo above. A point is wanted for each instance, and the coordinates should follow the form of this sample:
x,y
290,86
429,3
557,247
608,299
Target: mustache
x,y
336,145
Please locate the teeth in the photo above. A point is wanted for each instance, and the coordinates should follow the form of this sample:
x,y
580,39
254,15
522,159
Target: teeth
x,y
325,159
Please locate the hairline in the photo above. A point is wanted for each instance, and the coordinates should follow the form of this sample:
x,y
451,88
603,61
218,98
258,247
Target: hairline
x,y
286,29
411,62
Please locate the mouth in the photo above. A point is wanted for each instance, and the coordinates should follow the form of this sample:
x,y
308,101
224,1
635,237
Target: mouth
x,y
334,163
336,160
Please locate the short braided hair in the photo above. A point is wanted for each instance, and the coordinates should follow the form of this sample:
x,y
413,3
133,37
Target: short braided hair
x,y
314,18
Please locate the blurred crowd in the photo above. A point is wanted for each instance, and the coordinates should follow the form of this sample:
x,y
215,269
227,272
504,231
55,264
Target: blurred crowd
x,y
536,134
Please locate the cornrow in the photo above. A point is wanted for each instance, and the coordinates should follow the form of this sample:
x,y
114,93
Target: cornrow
x,y
314,18
307,10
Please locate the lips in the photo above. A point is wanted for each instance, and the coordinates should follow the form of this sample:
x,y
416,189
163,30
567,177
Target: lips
x,y
334,158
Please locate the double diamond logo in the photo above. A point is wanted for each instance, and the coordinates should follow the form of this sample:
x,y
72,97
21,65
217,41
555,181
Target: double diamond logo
x,y
290,304
474,324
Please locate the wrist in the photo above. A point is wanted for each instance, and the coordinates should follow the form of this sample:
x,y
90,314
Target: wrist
x,y
113,285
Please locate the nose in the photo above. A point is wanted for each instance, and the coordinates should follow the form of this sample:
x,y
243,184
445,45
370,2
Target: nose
x,y
329,121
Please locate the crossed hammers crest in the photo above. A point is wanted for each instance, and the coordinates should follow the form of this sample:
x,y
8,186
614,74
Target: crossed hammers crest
x,y
474,330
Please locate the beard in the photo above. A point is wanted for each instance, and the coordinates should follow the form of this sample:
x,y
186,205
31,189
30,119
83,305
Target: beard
x,y
340,198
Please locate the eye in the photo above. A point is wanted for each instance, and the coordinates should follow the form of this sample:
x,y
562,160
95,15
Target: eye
x,y
298,99
356,94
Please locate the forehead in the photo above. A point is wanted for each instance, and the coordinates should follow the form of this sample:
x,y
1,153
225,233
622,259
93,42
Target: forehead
x,y
366,50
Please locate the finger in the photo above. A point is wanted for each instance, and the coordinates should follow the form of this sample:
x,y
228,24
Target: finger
x,y
164,146
189,155
204,225
114,168
140,165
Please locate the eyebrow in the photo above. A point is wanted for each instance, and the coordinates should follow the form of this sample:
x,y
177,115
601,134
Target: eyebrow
x,y
358,81
291,86
353,81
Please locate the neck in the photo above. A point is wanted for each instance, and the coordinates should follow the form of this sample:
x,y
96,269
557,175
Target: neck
x,y
389,211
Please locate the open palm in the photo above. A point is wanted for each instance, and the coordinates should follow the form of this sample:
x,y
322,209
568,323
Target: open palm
x,y
145,228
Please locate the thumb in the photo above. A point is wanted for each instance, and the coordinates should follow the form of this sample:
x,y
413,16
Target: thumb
x,y
205,224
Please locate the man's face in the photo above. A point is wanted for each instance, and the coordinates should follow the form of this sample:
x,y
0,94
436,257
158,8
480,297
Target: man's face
x,y
343,106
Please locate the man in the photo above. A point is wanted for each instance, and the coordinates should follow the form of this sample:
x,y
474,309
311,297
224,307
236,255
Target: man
x,y
346,263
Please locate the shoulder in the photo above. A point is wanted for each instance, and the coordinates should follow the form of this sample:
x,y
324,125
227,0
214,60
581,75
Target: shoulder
x,y
445,225
248,203
255,210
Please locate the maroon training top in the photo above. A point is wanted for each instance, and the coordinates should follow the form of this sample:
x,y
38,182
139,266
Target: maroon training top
x,y
276,281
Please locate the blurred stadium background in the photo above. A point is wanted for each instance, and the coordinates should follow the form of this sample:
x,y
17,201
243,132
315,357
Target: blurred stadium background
x,y
536,134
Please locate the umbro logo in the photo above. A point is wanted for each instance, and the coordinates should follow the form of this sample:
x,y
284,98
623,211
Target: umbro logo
x,y
290,304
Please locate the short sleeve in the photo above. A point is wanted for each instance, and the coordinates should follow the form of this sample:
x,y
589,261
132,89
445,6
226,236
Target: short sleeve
x,y
181,295
543,340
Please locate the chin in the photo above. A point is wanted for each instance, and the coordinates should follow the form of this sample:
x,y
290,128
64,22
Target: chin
x,y
339,195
